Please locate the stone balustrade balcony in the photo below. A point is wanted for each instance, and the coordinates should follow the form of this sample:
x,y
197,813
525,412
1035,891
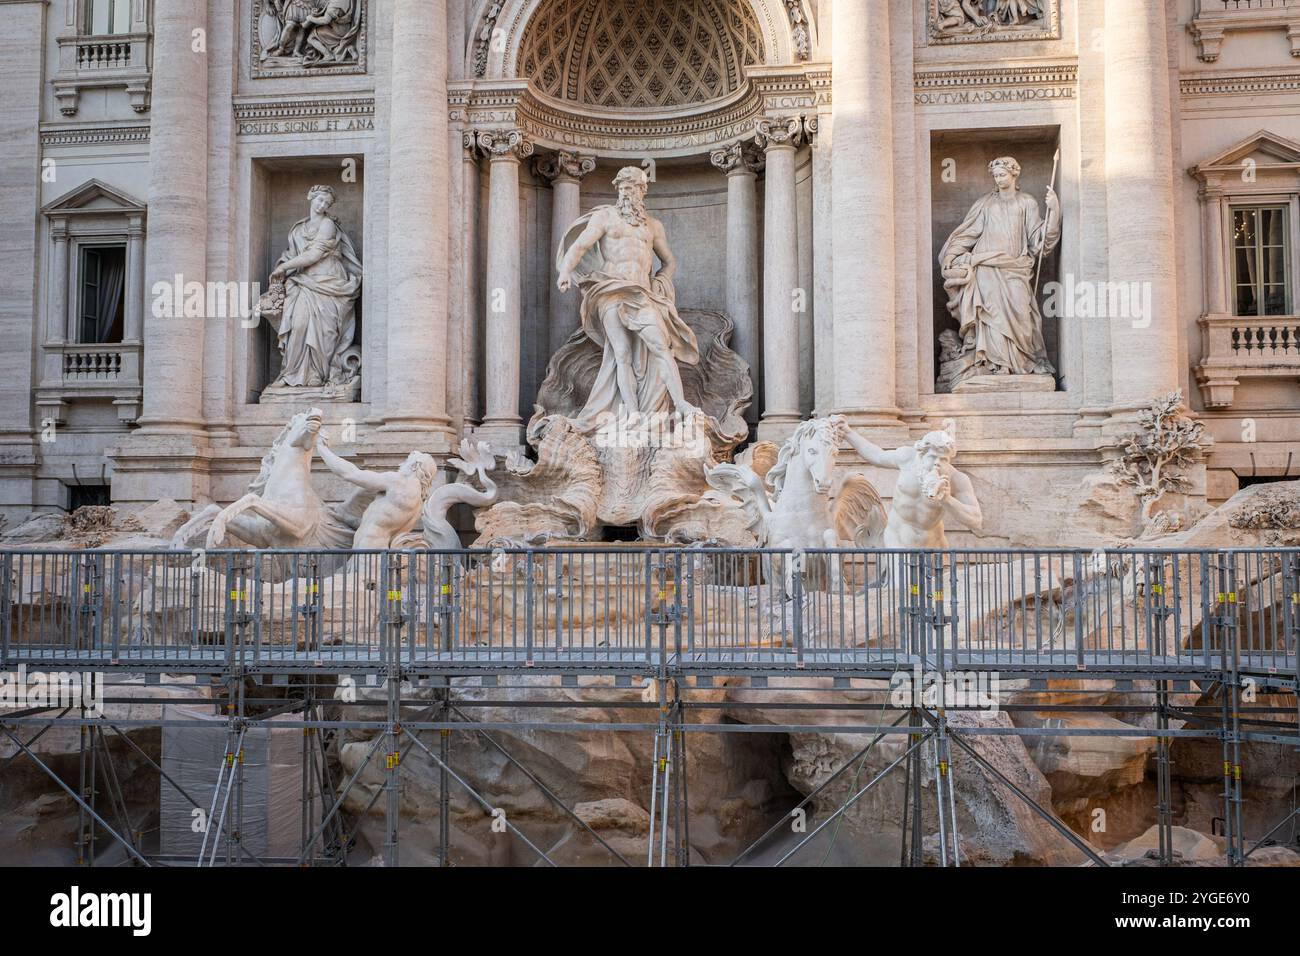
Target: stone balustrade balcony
x,y
1237,347
92,62
74,372
1216,18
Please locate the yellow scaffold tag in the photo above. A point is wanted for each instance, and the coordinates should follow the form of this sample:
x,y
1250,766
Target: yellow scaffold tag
x,y
1157,589
1236,771
315,589
394,595
446,589
239,595
86,588
916,589
392,760
1227,769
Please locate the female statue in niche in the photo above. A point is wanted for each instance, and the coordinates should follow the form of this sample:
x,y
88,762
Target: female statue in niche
x,y
318,281
988,266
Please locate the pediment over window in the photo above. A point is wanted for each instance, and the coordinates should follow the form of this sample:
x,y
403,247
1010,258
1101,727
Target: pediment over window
x,y
95,198
1264,149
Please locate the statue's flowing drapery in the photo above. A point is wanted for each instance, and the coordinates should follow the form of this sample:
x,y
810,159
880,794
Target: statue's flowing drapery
x,y
318,323
639,307
995,305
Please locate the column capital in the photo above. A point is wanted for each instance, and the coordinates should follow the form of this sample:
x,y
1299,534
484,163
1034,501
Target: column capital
x,y
565,166
505,144
811,126
775,132
469,143
742,157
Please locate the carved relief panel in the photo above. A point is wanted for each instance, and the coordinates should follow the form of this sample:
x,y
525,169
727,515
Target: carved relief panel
x,y
975,21
303,37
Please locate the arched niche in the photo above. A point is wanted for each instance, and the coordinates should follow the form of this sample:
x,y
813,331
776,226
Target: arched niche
x,y
501,27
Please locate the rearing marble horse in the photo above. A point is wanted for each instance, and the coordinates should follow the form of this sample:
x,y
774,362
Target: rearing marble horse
x,y
281,509
804,510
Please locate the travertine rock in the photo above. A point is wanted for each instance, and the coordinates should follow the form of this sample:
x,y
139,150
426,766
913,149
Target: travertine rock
x,y
1190,846
162,519
1083,770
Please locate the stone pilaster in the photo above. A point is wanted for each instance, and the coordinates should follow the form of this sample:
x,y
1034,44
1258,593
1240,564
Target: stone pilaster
x,y
133,326
565,170
56,327
1214,218
1140,202
178,218
23,53
418,234
471,275
778,137
862,201
502,424
818,129
168,456
741,162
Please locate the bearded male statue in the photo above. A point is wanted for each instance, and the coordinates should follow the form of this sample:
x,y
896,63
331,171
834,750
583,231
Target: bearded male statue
x,y
627,308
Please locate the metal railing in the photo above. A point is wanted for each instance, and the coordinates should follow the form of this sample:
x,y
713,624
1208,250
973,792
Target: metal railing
x,y
639,610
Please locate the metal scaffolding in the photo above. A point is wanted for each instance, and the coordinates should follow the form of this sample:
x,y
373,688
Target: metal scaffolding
x,y
273,633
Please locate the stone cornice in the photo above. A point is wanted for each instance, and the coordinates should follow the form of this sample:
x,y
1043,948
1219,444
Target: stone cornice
x,y
1009,84
552,124
298,115
298,108
1252,83
63,135
964,78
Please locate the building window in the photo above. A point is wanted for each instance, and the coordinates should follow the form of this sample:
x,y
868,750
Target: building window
x,y
107,17
101,308
1261,278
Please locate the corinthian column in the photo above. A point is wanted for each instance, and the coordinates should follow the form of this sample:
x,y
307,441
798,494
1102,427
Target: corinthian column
x,y
740,161
505,149
781,294
565,170
862,209
1140,200
418,250
178,219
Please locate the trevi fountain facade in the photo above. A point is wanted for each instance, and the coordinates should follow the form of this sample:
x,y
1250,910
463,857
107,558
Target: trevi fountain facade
x,y
535,274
